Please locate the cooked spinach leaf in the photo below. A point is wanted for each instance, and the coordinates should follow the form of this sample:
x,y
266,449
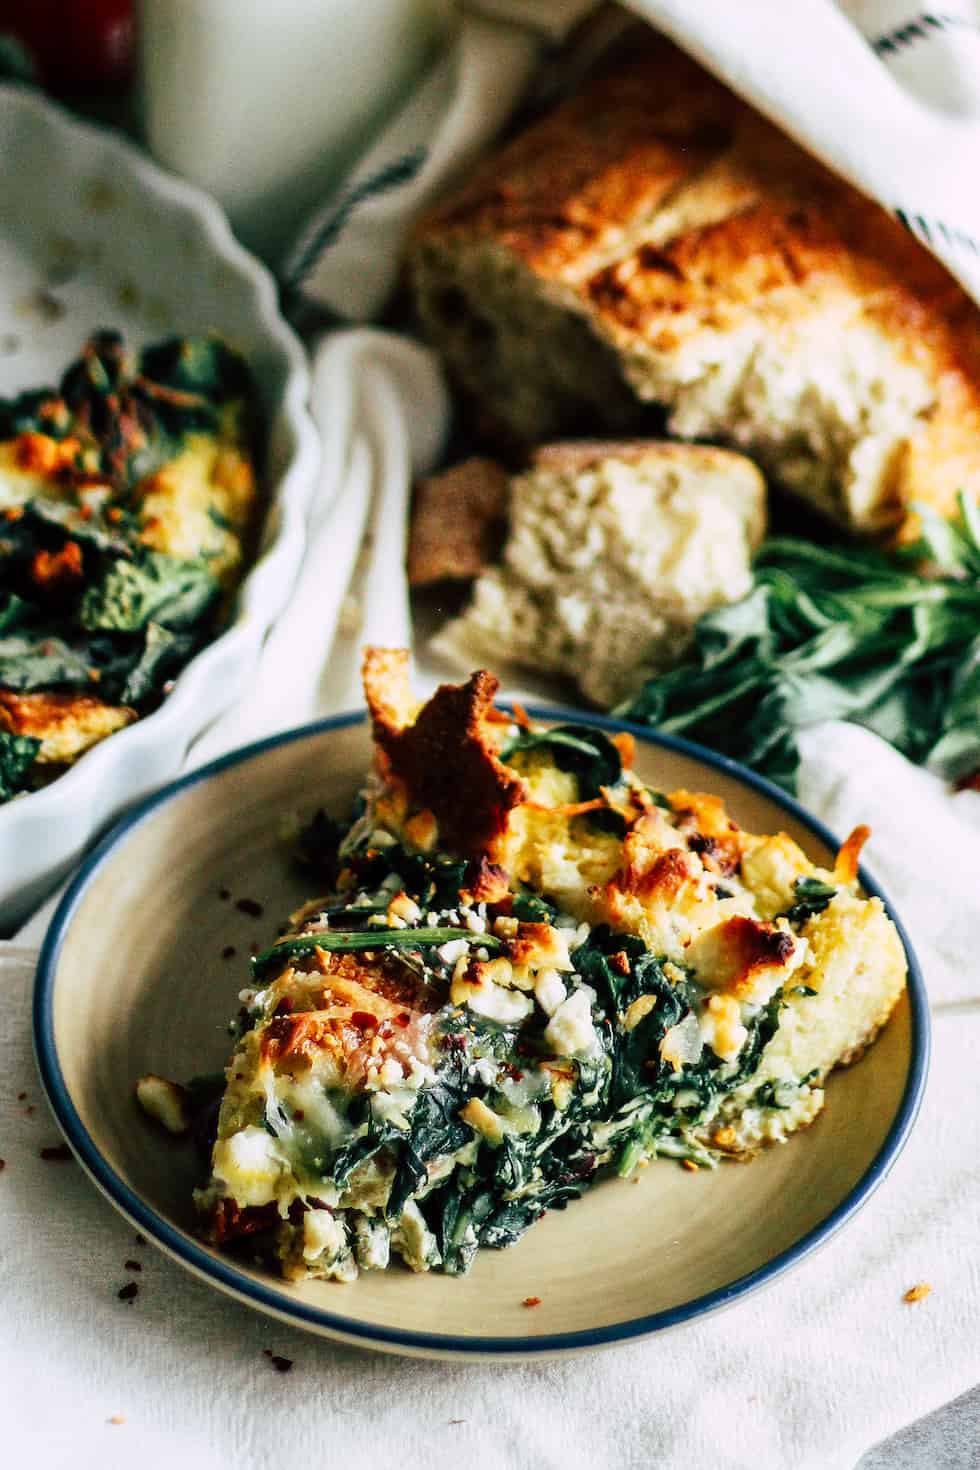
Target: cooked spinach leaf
x,y
17,756
40,661
157,587
160,654
356,940
812,897
838,633
587,753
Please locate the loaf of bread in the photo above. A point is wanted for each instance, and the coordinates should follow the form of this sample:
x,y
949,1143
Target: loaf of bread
x,y
613,553
654,242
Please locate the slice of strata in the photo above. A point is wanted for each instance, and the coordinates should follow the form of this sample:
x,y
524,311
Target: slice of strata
x,y
613,553
531,970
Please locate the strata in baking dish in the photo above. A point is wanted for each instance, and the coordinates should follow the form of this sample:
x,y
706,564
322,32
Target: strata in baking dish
x,y
127,500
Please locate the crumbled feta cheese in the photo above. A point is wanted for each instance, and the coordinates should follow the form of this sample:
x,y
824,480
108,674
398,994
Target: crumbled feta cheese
x,y
549,990
570,1031
372,1243
474,923
390,1073
453,950
323,1235
484,1070
507,1007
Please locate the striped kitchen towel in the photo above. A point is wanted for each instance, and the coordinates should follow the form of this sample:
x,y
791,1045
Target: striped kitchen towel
x,y
888,95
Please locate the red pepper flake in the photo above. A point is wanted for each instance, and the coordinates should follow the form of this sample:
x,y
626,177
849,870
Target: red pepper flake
x,y
128,1292
531,1301
56,1153
224,894
132,1266
228,951
251,907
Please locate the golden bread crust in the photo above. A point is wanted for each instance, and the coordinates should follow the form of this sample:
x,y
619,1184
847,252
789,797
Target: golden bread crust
x,y
65,724
660,210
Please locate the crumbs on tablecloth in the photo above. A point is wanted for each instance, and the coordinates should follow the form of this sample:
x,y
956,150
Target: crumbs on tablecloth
x,y
139,1239
132,1266
224,894
250,906
3,1164
281,1365
531,1301
128,1292
21,1096
56,1153
917,1293
117,1419
455,1421
228,951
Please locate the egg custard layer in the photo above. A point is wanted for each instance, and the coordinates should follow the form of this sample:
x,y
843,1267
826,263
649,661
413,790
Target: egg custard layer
x,y
531,970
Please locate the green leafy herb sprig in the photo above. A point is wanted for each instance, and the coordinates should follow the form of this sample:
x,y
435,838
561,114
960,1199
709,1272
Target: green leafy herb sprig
x,y
838,633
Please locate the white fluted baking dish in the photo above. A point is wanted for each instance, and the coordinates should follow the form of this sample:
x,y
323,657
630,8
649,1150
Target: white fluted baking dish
x,y
94,235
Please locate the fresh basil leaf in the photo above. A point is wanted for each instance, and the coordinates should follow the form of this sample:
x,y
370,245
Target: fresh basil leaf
x,y
17,756
832,633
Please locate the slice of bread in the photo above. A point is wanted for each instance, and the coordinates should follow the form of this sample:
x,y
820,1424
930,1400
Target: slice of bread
x,y
653,240
457,522
613,553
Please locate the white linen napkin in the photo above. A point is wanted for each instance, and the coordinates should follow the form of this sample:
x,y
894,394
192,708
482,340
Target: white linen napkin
x,y
828,1360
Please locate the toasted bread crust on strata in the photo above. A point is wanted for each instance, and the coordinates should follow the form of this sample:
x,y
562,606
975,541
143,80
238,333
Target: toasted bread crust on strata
x,y
65,724
444,756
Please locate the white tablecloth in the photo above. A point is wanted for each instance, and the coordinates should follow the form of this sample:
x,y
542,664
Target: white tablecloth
x,y
808,1373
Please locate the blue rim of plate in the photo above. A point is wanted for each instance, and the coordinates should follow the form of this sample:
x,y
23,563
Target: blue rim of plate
x,y
203,1263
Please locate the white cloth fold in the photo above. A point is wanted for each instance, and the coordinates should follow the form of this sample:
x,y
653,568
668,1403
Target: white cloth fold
x,y
808,1373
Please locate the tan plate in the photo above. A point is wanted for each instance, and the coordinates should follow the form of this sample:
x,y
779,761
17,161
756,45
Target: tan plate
x,y
132,979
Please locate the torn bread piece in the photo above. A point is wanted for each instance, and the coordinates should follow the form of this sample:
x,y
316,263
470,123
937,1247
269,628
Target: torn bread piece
x,y
654,242
613,553
475,1025
457,522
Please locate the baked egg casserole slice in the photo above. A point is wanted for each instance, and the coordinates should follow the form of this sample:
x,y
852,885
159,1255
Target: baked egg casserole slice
x,y
128,499
528,970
